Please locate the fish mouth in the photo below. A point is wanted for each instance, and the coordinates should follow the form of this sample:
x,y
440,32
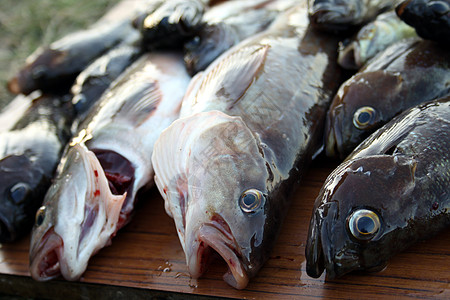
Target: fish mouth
x,y
216,236
45,257
315,263
349,57
7,231
330,16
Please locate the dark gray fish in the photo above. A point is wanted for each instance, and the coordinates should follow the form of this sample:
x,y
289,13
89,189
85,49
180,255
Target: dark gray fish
x,y
404,75
248,129
29,153
391,192
227,24
171,24
98,76
430,18
344,15
373,38
54,68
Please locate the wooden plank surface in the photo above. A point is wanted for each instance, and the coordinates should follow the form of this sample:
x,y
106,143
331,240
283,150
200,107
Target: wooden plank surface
x,y
146,255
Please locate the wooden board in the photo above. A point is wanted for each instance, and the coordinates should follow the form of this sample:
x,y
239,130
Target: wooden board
x,y
147,256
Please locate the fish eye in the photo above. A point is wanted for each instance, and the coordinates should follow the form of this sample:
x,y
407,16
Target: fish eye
x,y
251,200
40,216
19,192
364,224
364,117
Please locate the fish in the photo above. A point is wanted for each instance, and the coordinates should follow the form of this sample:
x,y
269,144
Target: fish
x,y
30,150
104,167
405,74
225,25
391,192
97,77
246,133
171,24
345,15
54,68
373,38
431,19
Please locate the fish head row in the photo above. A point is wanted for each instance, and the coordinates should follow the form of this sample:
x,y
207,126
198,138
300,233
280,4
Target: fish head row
x,y
215,185
79,215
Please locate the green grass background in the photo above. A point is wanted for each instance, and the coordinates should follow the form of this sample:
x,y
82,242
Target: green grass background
x,y
27,24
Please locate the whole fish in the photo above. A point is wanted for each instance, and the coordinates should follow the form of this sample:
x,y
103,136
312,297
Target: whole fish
x,y
55,67
247,132
431,19
404,75
104,167
98,76
344,15
391,192
171,24
30,150
227,24
373,38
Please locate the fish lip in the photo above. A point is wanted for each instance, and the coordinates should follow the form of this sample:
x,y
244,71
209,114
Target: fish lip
x,y
333,137
7,231
329,15
315,264
214,236
51,244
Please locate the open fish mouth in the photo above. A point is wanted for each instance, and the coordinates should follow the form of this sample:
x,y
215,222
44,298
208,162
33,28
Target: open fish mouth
x,y
329,15
216,236
333,137
45,257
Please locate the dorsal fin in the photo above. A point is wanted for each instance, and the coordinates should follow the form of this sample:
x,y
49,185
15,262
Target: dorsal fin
x,y
230,78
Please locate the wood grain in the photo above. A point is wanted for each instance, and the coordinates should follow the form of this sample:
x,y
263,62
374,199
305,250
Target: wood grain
x,y
147,255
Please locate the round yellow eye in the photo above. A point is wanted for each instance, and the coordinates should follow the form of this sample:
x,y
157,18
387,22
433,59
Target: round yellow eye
x,y
251,200
364,117
364,224
40,216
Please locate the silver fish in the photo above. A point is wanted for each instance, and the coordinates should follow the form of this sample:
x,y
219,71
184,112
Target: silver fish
x,y
250,124
391,192
373,38
104,167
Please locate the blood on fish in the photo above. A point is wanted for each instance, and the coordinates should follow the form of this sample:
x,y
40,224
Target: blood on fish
x,y
97,193
96,173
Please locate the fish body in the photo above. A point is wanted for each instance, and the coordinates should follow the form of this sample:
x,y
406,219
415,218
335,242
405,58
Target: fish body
x,y
171,24
373,38
104,167
247,132
98,76
225,25
391,192
431,19
404,75
345,15
30,150
55,67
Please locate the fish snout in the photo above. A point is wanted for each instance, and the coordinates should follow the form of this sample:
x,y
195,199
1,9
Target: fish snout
x,y
315,263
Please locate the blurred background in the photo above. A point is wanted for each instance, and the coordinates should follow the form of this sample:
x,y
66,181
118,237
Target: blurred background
x,y
26,25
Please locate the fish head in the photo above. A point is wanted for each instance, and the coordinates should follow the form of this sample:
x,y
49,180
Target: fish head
x,y
211,41
39,67
362,104
78,217
336,15
23,186
220,199
361,216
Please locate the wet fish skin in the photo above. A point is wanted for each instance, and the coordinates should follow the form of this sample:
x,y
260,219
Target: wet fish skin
x,y
431,19
341,16
373,38
171,24
400,173
29,153
98,76
404,75
225,25
53,68
234,139
104,167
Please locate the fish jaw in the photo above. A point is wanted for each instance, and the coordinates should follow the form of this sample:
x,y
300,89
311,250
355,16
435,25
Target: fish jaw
x,y
45,257
86,213
215,235
333,131
331,16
